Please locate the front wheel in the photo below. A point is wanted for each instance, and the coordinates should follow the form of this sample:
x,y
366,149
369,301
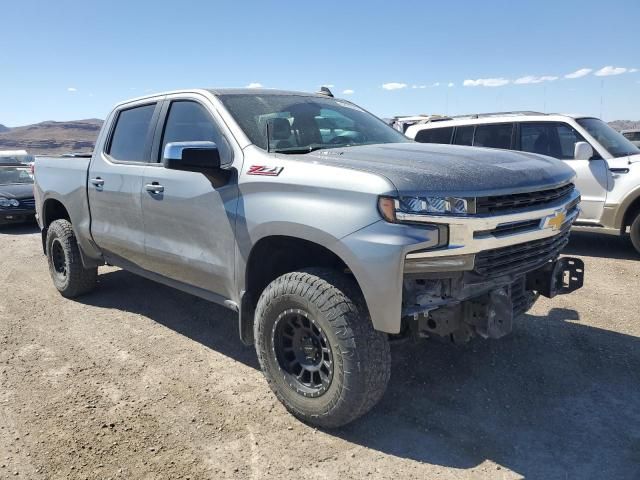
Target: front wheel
x,y
318,349
65,264
635,233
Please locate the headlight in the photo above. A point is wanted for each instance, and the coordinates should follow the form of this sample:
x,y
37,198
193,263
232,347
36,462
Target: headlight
x,y
405,208
8,202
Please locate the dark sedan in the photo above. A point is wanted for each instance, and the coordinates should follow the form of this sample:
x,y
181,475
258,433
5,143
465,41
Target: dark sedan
x,y
16,194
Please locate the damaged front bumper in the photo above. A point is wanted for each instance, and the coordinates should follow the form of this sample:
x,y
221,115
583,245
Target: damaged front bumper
x,y
460,306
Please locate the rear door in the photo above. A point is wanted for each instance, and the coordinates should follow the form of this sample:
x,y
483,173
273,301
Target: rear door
x,y
190,220
558,139
115,182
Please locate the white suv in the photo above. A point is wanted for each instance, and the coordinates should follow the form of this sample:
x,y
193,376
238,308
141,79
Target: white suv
x,y
606,163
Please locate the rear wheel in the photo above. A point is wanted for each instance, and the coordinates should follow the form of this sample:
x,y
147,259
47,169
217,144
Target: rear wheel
x,y
65,264
318,349
635,233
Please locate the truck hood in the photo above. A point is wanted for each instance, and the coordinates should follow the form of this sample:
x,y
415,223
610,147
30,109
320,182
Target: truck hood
x,y
449,169
17,190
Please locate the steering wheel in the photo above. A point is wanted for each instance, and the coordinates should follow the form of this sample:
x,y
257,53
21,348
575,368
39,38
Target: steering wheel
x,y
340,139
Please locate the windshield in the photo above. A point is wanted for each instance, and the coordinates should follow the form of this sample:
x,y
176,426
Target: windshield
x,y
15,175
614,142
300,124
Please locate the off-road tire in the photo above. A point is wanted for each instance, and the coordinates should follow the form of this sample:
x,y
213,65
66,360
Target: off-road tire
x,y
361,355
65,264
635,233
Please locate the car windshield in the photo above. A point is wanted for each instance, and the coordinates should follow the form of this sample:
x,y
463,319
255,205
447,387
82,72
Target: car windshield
x,y
614,142
301,124
15,174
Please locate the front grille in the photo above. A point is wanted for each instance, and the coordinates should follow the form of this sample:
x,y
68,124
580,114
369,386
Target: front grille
x,y
27,203
502,203
520,258
509,228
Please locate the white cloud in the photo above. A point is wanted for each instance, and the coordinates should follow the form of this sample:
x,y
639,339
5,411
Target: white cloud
x,y
609,70
254,85
72,89
526,80
486,82
582,72
437,84
451,84
633,70
394,86
348,91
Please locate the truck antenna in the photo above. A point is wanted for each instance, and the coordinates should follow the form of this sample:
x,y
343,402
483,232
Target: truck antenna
x,y
325,91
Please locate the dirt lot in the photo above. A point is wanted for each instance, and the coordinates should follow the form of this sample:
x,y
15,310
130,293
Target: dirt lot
x,y
140,381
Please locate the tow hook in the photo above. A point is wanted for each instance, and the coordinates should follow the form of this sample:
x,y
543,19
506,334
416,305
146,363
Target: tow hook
x,y
557,278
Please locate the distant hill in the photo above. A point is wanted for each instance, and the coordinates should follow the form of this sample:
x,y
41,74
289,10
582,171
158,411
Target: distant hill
x,y
52,138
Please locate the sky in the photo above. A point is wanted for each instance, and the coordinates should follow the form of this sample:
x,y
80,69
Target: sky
x,y
69,59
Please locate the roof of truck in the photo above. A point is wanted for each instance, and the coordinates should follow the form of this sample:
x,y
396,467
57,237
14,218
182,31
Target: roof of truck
x,y
226,91
261,91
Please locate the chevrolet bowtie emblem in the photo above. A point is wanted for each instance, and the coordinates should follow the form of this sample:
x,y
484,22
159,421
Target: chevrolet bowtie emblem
x,y
555,222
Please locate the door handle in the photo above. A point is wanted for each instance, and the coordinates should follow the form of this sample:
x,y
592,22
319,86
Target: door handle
x,y
98,182
154,187
619,170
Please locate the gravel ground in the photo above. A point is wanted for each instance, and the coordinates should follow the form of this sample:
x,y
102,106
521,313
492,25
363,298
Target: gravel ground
x,y
139,381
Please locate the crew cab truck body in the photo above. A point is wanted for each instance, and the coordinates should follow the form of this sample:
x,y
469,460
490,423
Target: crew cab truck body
x,y
607,164
325,229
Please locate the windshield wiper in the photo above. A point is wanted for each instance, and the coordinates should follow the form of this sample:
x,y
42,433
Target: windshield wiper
x,y
301,150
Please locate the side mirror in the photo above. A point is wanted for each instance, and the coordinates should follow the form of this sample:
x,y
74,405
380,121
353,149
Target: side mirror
x,y
582,151
191,156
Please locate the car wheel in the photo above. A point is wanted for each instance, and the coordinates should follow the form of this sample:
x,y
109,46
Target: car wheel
x,y
635,233
65,264
318,349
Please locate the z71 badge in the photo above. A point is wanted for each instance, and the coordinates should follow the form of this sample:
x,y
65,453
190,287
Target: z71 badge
x,y
264,170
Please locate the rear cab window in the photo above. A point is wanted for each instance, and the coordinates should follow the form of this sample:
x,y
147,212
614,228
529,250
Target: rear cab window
x,y
130,134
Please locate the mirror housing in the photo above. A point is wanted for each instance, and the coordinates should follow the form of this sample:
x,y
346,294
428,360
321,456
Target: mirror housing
x,y
582,151
191,156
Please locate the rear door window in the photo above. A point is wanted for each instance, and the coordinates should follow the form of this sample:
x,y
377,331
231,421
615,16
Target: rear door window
x,y
435,135
130,134
463,136
493,136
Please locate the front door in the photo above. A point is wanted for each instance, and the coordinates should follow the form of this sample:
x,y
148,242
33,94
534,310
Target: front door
x,y
558,140
115,184
189,217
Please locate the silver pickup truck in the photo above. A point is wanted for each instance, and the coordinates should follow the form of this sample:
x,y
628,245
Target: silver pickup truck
x,y
328,232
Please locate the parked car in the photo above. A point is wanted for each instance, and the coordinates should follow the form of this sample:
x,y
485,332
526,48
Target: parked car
x,y
633,136
606,163
15,156
326,230
16,194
